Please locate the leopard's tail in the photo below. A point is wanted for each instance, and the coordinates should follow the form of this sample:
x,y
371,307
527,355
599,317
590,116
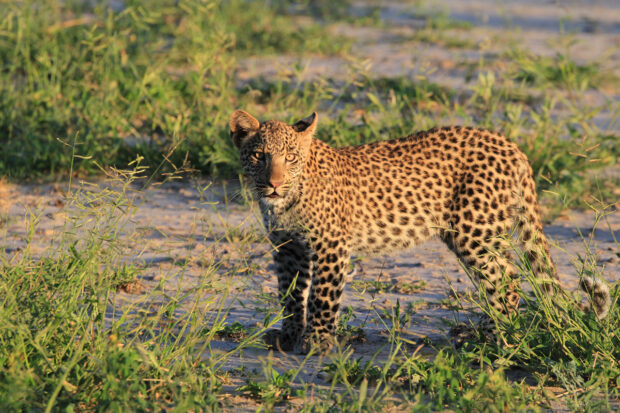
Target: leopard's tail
x,y
536,247
599,293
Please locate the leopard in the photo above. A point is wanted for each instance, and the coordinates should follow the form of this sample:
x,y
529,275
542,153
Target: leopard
x,y
472,188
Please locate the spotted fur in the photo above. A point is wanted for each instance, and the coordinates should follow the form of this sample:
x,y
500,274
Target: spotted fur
x,y
470,187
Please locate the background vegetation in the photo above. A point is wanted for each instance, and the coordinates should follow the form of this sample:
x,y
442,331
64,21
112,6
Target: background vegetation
x,y
159,78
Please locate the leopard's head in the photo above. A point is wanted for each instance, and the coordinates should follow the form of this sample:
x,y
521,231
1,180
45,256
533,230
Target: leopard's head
x,y
273,154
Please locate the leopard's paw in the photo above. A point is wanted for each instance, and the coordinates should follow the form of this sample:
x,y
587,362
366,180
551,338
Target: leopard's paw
x,y
307,343
463,333
277,340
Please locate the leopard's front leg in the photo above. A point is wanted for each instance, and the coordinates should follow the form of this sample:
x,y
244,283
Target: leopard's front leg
x,y
292,258
330,267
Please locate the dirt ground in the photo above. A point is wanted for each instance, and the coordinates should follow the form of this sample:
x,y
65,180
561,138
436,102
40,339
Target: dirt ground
x,y
584,31
177,231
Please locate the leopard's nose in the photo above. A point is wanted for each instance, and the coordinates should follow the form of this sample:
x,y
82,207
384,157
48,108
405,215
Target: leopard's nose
x,y
275,184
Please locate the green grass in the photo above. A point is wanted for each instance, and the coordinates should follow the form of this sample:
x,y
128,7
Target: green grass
x,y
71,341
436,28
559,71
275,389
85,88
68,344
152,77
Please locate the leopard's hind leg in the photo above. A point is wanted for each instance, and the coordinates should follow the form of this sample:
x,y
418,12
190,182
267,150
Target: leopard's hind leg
x,y
488,261
479,235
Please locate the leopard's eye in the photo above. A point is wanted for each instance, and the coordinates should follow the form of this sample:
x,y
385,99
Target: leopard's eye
x,y
258,155
291,157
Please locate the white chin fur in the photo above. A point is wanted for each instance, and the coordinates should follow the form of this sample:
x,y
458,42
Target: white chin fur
x,y
271,201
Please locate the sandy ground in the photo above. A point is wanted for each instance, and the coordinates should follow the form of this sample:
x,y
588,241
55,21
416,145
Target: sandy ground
x,y
584,31
177,231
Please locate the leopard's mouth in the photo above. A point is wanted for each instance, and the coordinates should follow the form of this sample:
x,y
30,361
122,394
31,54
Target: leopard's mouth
x,y
273,194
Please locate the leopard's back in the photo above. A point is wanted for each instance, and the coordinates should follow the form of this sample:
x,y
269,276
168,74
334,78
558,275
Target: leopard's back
x,y
395,194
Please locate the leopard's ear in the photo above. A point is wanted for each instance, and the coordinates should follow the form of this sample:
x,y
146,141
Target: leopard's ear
x,y
241,124
306,127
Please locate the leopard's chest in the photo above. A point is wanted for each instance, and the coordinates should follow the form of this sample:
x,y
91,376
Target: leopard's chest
x,y
295,218
318,211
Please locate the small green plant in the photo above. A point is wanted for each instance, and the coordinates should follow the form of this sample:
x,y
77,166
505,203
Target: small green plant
x,y
276,389
443,21
373,286
347,333
234,332
126,278
397,319
356,370
410,288
439,30
558,71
